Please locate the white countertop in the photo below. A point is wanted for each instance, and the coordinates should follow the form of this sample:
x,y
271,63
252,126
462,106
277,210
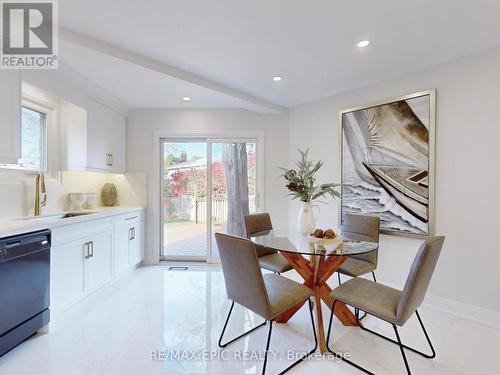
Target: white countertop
x,y
14,226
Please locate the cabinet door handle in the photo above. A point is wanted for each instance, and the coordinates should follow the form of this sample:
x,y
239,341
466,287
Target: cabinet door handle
x,y
129,234
86,251
109,160
133,235
91,243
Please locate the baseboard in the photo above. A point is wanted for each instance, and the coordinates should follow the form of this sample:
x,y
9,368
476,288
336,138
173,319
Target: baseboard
x,y
464,310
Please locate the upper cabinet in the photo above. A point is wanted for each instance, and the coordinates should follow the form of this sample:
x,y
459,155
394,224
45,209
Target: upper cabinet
x,y
94,139
10,116
105,138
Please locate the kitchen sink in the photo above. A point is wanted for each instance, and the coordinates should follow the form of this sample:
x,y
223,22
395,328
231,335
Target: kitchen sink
x,y
49,217
75,214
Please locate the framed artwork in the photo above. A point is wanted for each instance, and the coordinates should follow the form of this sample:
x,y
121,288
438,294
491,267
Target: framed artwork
x,y
387,157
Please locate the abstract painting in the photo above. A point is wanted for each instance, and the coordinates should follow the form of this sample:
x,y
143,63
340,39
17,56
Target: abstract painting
x,y
387,152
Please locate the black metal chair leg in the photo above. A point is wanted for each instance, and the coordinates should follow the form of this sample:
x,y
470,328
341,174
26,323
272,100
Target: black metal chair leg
x,y
269,338
339,355
429,356
398,342
433,355
306,354
267,347
402,349
221,345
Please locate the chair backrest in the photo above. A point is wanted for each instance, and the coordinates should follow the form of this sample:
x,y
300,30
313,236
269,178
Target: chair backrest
x,y
242,274
256,223
362,228
419,278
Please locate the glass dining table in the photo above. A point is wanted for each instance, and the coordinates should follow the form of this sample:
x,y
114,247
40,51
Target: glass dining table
x,y
315,261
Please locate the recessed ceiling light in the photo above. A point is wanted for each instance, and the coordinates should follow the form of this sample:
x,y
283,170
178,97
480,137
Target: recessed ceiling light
x,y
277,78
364,43
186,98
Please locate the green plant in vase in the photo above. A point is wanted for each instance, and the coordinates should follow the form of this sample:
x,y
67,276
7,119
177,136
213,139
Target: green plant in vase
x,y
302,185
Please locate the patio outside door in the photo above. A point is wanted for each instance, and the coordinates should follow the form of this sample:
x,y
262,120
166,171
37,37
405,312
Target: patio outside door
x,y
207,186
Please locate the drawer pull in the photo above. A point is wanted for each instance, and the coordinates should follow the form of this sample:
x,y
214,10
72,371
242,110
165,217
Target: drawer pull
x,y
131,218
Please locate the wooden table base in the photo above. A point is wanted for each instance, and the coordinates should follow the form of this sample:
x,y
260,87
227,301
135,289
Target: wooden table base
x,y
315,274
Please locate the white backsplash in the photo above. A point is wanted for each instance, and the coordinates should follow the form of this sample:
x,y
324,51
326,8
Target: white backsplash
x,y
17,194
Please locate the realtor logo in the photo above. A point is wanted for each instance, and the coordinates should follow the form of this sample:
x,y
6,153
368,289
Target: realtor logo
x,y
29,34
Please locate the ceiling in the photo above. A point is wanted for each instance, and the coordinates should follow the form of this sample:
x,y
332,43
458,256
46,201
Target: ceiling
x,y
223,53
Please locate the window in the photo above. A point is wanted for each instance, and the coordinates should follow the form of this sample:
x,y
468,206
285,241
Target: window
x,y
33,140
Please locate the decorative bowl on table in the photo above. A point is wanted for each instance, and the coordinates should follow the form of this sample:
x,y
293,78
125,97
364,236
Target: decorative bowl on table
x,y
327,237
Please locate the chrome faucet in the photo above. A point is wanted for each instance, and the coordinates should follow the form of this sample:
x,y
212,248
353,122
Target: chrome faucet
x,y
40,188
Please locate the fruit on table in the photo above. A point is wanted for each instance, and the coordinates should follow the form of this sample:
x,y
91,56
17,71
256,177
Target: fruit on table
x,y
318,233
329,233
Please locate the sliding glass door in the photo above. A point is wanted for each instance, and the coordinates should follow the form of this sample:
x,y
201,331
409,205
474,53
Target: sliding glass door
x,y
207,186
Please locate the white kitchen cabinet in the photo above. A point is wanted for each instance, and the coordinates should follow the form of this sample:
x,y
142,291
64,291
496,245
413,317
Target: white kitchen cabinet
x,y
106,131
121,249
93,138
10,116
136,244
88,255
67,283
129,241
99,260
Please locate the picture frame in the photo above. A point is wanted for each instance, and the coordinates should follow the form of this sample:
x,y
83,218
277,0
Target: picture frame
x,y
390,171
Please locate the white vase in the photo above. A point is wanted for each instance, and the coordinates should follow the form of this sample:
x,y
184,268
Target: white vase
x,y
307,221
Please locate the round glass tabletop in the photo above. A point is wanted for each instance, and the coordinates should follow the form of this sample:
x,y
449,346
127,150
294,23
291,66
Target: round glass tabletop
x,y
304,244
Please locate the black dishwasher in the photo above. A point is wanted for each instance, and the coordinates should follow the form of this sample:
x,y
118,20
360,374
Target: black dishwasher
x,y
24,287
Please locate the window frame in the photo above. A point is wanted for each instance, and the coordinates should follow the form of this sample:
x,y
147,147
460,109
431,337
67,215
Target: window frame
x,y
51,110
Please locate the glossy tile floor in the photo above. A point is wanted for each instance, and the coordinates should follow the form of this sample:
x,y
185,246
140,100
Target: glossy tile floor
x,y
157,321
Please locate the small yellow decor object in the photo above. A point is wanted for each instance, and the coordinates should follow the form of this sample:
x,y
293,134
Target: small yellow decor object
x,y
109,195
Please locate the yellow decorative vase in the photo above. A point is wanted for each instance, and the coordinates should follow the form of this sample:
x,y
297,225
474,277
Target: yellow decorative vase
x,y
109,195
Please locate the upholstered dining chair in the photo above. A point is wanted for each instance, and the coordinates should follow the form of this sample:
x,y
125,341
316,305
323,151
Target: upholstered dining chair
x,y
389,304
266,295
268,259
360,228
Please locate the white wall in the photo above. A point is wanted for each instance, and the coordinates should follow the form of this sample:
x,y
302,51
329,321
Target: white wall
x,y
142,124
467,173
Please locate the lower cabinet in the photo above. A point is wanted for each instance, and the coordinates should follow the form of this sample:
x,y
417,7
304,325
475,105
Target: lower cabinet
x,y
98,261
129,242
121,249
86,256
67,282
136,244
